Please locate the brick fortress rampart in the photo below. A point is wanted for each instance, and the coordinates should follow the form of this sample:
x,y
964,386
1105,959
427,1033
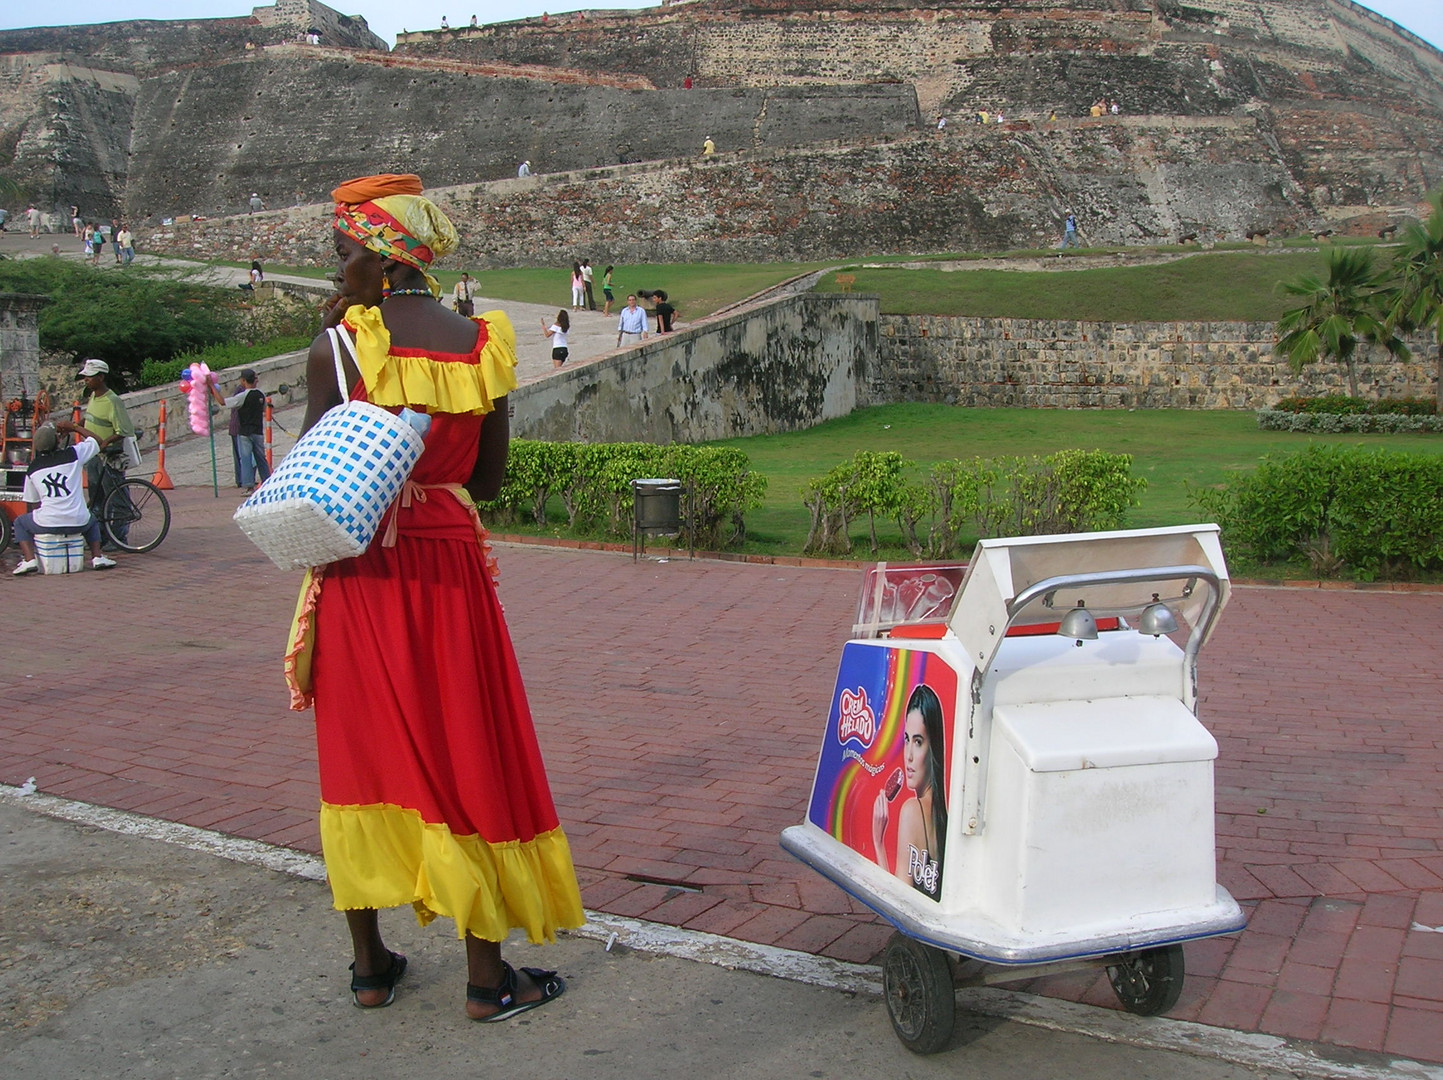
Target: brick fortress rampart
x,y
1236,115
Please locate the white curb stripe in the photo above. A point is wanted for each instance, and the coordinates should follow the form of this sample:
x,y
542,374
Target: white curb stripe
x,y
1247,1049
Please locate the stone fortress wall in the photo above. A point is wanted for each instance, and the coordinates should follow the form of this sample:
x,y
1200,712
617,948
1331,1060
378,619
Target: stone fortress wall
x,y
194,151
1143,180
1313,112
1347,98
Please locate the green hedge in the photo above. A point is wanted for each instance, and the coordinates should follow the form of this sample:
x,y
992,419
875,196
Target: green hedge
x,y
1376,513
231,354
1327,423
1341,403
593,482
1069,491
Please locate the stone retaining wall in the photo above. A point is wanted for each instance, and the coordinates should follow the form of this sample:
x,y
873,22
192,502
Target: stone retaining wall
x,y
1043,363
780,366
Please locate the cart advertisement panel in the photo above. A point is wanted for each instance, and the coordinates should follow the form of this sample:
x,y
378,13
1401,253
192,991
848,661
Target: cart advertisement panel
x,y
886,763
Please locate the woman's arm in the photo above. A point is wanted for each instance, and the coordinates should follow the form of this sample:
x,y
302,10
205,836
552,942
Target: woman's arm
x,y
879,830
910,834
322,393
490,470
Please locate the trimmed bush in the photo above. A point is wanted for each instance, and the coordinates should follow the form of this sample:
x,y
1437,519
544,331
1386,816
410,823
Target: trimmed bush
x,y
1069,491
1329,423
593,482
1339,403
1374,512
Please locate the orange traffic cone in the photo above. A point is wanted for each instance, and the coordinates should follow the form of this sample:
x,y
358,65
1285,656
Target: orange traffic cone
x,y
161,479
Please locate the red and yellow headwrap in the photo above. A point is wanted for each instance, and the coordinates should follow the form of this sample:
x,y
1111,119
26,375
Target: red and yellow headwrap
x,y
388,215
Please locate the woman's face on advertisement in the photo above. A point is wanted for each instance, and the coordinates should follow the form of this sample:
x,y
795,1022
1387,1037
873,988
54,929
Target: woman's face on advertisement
x,y
915,752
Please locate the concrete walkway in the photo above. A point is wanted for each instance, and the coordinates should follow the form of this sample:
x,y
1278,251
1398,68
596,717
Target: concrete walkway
x,y
592,334
129,958
679,706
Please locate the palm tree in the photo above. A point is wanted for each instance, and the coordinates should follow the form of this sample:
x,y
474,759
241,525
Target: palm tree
x,y
1418,304
1338,315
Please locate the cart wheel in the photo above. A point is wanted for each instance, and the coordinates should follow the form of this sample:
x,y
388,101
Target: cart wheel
x,y
5,530
1148,982
921,999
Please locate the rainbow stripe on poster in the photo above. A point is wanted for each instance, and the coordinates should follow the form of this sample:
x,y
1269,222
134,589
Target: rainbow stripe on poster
x,y
862,749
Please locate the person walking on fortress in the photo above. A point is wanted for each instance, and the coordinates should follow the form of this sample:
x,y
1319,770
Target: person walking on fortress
x,y
524,169
557,332
586,276
115,238
1069,230
708,148
75,222
32,215
606,289
256,205
578,287
127,245
465,290
631,326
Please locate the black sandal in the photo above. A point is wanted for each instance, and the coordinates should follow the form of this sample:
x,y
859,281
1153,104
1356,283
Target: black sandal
x,y
504,996
385,982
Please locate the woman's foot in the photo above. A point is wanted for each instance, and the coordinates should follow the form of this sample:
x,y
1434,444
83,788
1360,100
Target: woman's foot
x,y
377,990
519,991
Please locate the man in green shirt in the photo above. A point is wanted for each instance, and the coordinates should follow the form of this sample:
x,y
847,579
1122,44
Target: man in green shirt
x,y
107,420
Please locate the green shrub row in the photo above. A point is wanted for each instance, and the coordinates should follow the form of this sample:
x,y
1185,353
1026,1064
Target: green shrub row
x,y
229,354
1374,512
1338,423
956,501
593,482
1340,403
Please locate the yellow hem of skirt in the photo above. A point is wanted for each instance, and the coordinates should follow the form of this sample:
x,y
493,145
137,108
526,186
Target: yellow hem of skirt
x,y
381,855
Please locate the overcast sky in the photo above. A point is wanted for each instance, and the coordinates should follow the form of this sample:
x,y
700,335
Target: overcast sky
x,y
387,19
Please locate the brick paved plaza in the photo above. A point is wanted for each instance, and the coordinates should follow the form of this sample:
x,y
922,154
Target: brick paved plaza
x,y
679,706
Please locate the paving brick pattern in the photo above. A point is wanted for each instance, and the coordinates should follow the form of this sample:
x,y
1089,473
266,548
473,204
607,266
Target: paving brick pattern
x,y
679,704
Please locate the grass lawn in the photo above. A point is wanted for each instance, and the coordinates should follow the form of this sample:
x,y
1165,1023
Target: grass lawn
x,y
694,289
1234,282
1172,448
1235,285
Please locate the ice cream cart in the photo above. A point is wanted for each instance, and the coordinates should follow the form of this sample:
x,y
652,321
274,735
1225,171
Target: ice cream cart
x,y
1013,773
19,417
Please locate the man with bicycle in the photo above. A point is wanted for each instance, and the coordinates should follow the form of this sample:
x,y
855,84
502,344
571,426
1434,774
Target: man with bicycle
x,y
106,417
53,490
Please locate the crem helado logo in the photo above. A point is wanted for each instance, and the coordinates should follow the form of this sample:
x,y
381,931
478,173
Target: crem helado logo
x,y
855,718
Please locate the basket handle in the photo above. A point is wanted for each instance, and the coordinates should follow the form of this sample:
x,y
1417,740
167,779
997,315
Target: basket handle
x,y
337,335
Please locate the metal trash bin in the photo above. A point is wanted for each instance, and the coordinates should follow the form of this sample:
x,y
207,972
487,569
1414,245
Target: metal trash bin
x,y
656,511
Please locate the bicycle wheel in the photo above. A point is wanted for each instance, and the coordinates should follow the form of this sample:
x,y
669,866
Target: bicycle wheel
x,y
136,516
5,530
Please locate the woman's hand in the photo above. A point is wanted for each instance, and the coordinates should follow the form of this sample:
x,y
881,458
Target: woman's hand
x,y
879,828
334,310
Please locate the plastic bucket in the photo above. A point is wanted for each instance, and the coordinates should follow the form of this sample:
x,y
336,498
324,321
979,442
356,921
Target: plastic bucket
x,y
60,553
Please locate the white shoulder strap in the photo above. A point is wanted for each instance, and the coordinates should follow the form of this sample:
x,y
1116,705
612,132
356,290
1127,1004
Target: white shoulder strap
x,y
338,336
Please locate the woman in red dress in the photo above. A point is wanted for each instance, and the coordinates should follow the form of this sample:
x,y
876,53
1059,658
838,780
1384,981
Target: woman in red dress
x,y
433,791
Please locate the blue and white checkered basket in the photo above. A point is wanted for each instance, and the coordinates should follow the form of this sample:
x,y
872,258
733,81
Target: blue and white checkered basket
x,y
326,499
